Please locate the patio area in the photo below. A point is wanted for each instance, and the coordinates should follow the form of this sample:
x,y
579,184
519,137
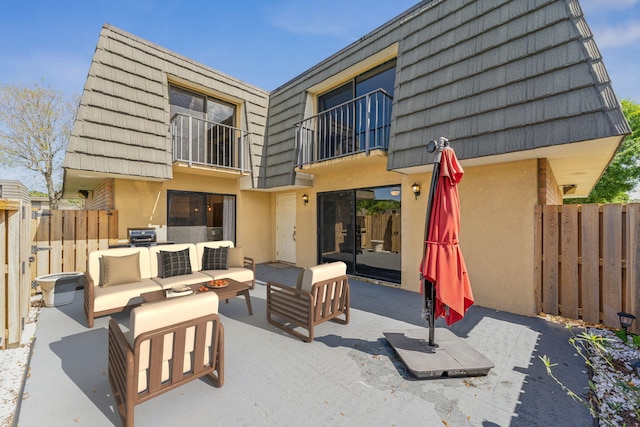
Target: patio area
x,y
349,375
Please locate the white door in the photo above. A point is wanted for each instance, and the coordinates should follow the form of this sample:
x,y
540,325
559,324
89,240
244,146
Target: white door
x,y
286,228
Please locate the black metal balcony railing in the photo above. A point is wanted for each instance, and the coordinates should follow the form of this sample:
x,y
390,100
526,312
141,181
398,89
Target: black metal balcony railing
x,y
359,125
199,141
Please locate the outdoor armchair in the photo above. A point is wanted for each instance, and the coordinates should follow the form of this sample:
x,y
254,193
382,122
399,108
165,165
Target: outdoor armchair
x,y
168,344
321,294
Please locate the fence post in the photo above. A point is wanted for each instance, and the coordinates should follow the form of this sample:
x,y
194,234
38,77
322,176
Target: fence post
x,y
633,264
550,260
611,264
590,262
569,262
15,276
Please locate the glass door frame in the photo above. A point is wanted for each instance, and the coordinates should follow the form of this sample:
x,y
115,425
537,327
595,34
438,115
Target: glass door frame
x,y
354,233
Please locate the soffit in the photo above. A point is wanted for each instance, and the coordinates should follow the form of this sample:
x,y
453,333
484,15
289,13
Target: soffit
x,y
580,164
375,158
76,180
207,171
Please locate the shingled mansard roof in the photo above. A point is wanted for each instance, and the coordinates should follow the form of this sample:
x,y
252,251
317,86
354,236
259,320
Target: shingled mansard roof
x,y
503,80
496,77
122,126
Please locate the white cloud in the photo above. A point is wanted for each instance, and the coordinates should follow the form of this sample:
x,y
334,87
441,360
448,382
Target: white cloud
x,y
312,18
342,19
623,34
608,4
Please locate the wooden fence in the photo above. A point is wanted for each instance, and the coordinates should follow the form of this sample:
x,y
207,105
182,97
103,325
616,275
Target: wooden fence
x,y
382,227
62,239
15,286
588,261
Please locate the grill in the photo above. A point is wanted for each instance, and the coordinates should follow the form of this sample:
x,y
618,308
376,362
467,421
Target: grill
x,y
142,236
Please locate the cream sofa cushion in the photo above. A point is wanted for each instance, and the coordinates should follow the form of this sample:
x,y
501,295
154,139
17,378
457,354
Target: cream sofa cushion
x,y
235,273
165,313
184,279
109,297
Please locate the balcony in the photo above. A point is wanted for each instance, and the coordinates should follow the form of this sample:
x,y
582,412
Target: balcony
x,y
357,126
197,141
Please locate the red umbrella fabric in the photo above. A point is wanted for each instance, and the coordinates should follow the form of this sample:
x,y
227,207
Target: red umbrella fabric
x,y
443,263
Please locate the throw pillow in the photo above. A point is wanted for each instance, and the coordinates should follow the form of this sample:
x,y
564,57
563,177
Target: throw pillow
x,y
118,270
235,257
215,258
175,263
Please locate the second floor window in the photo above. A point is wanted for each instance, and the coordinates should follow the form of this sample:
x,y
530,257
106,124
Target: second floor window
x,y
351,118
203,128
381,77
183,101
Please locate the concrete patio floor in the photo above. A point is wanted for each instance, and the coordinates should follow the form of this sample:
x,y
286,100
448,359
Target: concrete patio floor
x,y
348,376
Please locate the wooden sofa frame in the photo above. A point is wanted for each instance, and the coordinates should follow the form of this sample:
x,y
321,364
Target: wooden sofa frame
x,y
124,361
90,296
308,309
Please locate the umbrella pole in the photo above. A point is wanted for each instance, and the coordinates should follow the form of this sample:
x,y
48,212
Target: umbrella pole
x,y
428,288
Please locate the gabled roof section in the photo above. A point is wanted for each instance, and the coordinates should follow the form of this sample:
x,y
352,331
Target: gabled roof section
x,y
122,126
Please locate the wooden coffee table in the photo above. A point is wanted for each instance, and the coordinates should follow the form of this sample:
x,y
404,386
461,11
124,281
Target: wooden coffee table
x,y
233,289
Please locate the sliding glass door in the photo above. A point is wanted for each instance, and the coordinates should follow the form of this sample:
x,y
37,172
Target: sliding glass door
x,y
336,219
362,228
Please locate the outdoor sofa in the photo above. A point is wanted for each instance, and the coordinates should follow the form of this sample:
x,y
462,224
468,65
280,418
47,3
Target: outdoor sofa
x,y
321,294
169,343
116,277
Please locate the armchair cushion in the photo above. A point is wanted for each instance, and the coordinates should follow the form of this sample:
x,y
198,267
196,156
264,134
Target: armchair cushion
x,y
215,258
175,263
321,273
150,317
119,270
168,344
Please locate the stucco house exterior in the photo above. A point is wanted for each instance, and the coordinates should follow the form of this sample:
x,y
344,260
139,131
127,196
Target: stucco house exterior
x,y
323,167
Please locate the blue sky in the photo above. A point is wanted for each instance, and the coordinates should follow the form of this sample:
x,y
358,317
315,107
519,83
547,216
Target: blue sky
x,y
264,43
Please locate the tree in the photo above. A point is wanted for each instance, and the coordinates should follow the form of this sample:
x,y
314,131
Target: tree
x,y
623,173
35,125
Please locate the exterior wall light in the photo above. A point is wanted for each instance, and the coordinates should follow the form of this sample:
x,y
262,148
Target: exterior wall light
x,y
416,189
305,199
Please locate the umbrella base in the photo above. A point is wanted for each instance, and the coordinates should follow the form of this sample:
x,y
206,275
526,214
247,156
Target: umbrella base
x,y
451,358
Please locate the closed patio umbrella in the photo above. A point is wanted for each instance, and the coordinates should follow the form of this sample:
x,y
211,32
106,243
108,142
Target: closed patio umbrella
x,y
446,288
